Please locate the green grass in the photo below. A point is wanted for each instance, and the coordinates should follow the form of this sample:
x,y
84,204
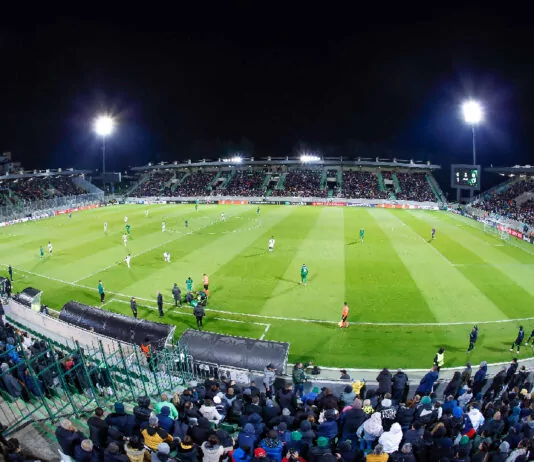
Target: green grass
x,y
404,291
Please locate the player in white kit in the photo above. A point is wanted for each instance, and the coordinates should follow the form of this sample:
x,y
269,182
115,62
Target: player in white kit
x,y
127,260
50,248
125,219
167,257
105,227
163,227
125,239
223,217
271,244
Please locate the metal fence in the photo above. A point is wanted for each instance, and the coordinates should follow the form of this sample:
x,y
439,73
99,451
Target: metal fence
x,y
24,208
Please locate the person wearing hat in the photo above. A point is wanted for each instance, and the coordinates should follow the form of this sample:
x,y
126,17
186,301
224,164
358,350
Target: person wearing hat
x,y
347,396
124,422
351,419
165,421
344,375
388,413
320,451
162,454
269,376
259,455
154,434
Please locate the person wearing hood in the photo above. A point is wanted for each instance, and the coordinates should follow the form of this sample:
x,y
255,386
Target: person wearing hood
x,y
427,382
247,437
319,452
352,419
390,440
454,385
449,404
388,413
154,434
399,386
12,351
12,385
212,449
271,410
384,380
165,420
480,378
187,450
124,422
242,454
347,396
284,435
272,446
307,432
257,423
370,430
503,454
173,412
406,453
269,376
225,440
329,428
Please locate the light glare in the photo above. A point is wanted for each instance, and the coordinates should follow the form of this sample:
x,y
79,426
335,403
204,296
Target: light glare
x,y
472,112
104,125
309,158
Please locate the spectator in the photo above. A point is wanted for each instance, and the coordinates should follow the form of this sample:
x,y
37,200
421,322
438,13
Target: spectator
x,y
68,437
378,455
135,449
187,450
391,439
98,429
154,434
427,382
113,454
85,452
212,449
173,412
124,422
384,380
272,446
399,386
165,421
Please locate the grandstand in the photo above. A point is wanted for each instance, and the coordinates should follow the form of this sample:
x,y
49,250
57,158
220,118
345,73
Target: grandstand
x,y
288,178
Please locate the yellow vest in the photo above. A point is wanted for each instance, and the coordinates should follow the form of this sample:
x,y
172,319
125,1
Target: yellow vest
x,y
440,359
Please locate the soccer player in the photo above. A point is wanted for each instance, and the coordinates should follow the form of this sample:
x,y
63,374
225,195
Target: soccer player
x,y
206,282
271,244
189,284
344,316
196,207
167,257
41,251
362,235
146,213
101,292
50,248
433,233
125,219
133,306
473,337
70,216
528,340
105,227
223,217
163,226
258,211
517,342
125,239
186,224
127,260
127,229
303,274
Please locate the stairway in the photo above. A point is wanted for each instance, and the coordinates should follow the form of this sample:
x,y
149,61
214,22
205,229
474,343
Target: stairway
x,y
281,180
322,182
435,189
228,179
381,184
396,183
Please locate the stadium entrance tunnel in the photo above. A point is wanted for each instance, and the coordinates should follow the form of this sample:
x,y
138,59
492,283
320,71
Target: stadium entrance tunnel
x,y
117,326
226,351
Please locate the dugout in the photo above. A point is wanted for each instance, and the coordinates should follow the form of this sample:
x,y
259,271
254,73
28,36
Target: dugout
x,y
235,352
30,297
116,326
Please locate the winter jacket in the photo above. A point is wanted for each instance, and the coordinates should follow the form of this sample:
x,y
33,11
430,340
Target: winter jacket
x,y
247,437
240,456
273,448
405,416
154,436
164,420
173,412
211,453
210,413
98,431
390,440
384,380
269,377
400,380
351,420
328,429
347,398
13,387
286,399
427,382
68,440
81,455
187,454
124,422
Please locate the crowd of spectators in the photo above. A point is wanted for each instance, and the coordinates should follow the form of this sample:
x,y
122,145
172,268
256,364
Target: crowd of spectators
x,y
302,183
503,202
37,188
361,185
219,420
195,184
245,183
415,187
156,184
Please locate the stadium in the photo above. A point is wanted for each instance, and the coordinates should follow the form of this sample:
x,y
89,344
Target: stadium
x,y
275,245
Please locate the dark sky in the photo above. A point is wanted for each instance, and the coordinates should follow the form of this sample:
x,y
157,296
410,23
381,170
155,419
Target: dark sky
x,y
266,80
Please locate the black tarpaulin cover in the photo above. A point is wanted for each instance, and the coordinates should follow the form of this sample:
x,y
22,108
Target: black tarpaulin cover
x,y
240,352
117,326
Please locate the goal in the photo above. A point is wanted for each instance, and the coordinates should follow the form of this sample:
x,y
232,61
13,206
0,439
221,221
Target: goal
x,y
497,228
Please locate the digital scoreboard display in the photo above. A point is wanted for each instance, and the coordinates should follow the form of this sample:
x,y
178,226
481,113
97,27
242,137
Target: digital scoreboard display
x,y
465,177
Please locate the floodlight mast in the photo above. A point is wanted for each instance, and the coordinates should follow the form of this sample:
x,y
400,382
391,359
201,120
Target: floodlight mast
x,y
473,115
104,126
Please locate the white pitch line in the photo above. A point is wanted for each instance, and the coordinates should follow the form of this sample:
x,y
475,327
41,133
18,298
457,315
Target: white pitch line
x,y
282,318
267,327
149,250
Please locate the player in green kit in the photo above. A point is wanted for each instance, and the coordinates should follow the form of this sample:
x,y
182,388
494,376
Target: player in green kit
x,y
196,207
258,211
303,274
41,251
128,228
362,235
189,284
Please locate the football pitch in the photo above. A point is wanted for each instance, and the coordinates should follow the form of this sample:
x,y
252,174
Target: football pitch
x,y
408,295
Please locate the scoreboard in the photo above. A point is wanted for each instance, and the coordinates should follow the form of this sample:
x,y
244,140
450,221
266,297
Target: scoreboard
x,y
465,177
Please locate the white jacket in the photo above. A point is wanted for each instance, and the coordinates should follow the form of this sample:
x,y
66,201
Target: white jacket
x,y
210,413
390,440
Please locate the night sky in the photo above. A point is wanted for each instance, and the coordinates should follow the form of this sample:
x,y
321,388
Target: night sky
x,y
266,80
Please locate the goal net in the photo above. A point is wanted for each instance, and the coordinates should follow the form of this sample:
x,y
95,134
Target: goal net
x,y
497,228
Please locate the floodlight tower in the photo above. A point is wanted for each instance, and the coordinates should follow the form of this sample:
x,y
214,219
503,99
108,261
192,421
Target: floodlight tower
x,y
104,126
473,115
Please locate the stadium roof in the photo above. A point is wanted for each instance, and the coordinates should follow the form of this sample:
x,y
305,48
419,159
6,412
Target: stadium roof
x,y
515,170
44,173
323,161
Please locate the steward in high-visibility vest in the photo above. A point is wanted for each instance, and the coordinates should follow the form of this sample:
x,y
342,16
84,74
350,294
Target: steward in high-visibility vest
x,y
439,359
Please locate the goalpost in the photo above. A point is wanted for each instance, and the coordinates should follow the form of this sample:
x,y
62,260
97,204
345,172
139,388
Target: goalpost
x,y
497,228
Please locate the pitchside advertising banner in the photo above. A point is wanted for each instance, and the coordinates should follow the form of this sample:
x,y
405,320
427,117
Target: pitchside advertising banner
x,y
40,216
